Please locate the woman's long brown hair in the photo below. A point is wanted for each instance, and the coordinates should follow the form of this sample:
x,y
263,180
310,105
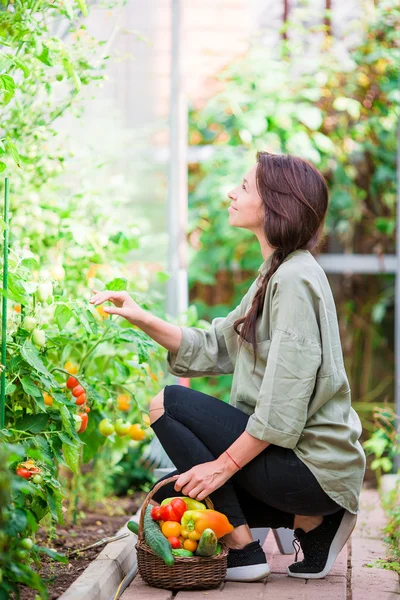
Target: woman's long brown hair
x,y
295,199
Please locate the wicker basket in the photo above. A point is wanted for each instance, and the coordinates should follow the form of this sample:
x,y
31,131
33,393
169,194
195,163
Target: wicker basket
x,y
186,573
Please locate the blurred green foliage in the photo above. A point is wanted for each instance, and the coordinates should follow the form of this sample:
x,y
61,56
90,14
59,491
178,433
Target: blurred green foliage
x,y
341,114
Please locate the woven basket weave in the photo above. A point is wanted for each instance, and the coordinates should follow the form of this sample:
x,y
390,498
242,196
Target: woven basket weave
x,y
197,572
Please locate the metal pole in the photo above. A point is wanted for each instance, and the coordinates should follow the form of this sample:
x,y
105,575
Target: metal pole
x,y
4,308
177,217
177,205
396,462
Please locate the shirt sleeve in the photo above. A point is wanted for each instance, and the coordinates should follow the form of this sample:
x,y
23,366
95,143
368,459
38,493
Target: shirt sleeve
x,y
293,361
203,352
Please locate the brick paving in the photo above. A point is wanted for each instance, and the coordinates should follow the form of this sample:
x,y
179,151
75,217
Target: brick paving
x,y
350,578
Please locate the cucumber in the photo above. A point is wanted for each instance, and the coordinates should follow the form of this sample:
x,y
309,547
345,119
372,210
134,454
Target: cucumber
x,y
156,540
133,526
207,543
182,552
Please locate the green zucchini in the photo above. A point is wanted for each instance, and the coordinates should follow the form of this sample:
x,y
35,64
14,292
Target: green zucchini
x,y
182,552
133,526
219,548
156,540
207,543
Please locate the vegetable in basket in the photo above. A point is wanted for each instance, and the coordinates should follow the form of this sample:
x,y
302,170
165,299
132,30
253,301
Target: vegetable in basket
x,y
199,520
156,540
191,504
207,544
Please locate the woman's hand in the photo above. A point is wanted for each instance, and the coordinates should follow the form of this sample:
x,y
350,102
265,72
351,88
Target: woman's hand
x,y
124,305
202,480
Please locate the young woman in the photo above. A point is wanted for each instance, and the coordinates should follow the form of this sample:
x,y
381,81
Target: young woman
x,y
285,451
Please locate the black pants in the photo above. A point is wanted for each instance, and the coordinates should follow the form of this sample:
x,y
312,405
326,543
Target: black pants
x,y
267,492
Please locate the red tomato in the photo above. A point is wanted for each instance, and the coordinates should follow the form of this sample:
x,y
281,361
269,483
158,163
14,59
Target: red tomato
x,y
72,382
80,399
179,507
22,472
155,513
168,513
77,391
175,542
85,419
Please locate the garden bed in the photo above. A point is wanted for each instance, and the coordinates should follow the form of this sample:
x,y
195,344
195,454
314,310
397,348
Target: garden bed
x,y
93,527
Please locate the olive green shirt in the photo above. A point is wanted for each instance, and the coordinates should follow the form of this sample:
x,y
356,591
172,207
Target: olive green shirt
x,y
299,395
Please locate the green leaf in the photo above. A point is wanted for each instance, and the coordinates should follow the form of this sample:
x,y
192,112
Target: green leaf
x,y
44,57
117,284
7,84
33,423
3,166
62,315
71,455
51,553
31,355
30,388
12,149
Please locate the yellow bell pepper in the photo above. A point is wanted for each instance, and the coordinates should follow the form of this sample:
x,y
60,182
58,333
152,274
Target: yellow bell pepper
x,y
199,520
190,503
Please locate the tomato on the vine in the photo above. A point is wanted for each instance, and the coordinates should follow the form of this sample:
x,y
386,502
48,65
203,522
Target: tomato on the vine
x,y
29,323
106,427
121,428
87,409
22,472
27,543
71,367
48,400
39,337
84,424
81,399
78,422
78,390
37,479
136,432
72,382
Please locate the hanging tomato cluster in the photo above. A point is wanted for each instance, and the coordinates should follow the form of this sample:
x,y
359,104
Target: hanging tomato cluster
x,y
78,392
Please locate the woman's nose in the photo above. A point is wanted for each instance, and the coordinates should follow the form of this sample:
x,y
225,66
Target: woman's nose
x,y
232,195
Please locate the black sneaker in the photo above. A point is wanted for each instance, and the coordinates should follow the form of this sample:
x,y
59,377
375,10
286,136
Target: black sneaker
x,y
321,545
247,564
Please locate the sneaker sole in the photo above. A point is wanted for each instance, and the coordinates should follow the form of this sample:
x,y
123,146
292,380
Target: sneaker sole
x,y
248,573
342,535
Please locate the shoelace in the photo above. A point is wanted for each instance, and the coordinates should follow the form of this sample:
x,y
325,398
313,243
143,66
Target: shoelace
x,y
296,546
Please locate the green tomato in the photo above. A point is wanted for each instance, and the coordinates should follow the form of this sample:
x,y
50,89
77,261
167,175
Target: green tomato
x,y
27,543
29,323
21,554
110,404
43,292
37,478
39,337
122,428
78,422
106,427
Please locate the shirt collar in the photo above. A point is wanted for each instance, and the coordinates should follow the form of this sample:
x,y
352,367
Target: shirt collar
x,y
267,263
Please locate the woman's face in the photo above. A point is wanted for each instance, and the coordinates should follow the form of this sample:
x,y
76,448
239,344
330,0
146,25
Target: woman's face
x,y
246,209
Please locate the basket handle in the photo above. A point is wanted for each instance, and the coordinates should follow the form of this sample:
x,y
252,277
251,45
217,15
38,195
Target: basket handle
x,y
207,500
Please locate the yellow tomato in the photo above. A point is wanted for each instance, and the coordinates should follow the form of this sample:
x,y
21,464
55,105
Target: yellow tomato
x,y
171,529
136,432
17,308
194,535
71,367
123,402
102,313
48,400
190,545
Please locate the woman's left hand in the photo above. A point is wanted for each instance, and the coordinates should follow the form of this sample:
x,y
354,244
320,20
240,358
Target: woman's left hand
x,y
202,480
